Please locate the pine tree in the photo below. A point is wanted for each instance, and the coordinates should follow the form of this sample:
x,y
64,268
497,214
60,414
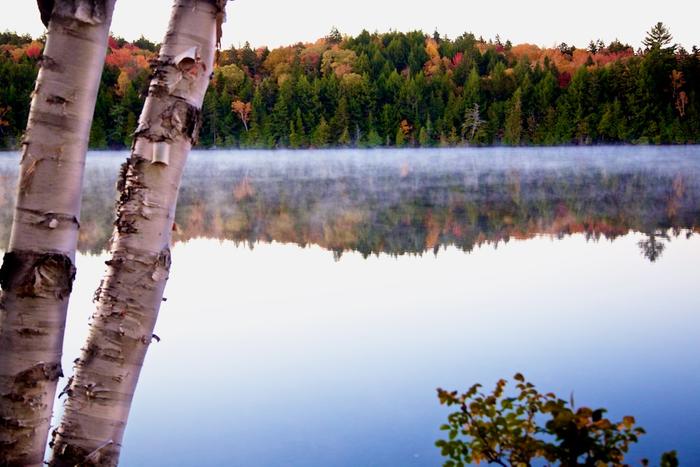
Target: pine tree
x,y
373,139
293,137
321,135
297,136
658,37
344,139
400,139
514,120
341,119
423,137
471,88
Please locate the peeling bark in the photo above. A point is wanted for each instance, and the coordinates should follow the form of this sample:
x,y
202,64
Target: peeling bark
x,y
29,274
37,272
129,296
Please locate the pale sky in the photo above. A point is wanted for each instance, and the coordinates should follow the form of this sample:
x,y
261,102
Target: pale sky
x,y
275,22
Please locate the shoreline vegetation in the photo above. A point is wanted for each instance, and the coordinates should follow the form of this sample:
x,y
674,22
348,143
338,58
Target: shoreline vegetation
x,y
399,90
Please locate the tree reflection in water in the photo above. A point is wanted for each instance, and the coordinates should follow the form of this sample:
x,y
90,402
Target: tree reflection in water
x,y
653,246
403,203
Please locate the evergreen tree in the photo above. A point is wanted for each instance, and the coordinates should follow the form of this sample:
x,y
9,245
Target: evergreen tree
x,y
471,89
400,138
294,139
297,135
344,139
373,139
321,134
514,120
658,37
423,137
341,120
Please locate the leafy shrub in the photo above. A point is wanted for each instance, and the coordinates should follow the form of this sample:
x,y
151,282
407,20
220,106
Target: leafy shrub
x,y
531,425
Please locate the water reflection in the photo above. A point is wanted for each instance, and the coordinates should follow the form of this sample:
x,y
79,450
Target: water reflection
x,y
281,356
399,202
653,246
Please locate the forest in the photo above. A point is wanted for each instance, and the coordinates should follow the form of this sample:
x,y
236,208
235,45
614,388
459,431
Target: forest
x,y
399,89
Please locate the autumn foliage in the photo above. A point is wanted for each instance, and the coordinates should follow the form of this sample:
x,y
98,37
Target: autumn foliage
x,y
401,89
525,426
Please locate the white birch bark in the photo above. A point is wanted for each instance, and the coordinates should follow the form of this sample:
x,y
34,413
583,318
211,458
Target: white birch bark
x,y
37,271
129,297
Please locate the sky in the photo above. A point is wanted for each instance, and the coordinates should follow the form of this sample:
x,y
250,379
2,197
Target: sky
x,y
274,22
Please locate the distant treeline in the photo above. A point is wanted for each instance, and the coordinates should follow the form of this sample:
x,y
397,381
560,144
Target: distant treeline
x,y
400,89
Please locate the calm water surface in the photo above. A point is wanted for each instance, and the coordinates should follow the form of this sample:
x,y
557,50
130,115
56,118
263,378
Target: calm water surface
x,y
317,299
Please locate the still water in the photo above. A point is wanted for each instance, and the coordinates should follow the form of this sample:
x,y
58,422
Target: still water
x,y
317,299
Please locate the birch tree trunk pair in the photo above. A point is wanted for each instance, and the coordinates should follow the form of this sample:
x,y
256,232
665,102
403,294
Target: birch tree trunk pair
x,y
38,269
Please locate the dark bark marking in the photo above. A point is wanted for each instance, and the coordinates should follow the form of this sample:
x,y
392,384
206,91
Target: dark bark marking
x,y
159,73
125,226
114,262
28,176
31,377
13,397
180,118
56,100
161,266
31,332
54,120
30,274
87,357
51,220
183,118
112,355
121,179
85,11
67,454
159,77
128,186
66,389
52,441
48,63
12,423
164,259
98,291
158,90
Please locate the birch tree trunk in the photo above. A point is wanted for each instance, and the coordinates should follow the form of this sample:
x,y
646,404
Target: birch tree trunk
x,y
37,271
129,297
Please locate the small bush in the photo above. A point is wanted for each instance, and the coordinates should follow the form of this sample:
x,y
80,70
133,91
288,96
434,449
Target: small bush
x,y
530,425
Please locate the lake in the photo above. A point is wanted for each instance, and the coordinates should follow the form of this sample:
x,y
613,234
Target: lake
x,y
318,298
